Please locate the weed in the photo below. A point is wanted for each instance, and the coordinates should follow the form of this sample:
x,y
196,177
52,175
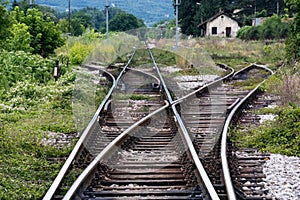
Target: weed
x,y
279,136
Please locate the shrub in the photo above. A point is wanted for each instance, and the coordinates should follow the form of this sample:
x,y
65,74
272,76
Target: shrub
x,y
19,66
272,28
285,84
79,52
280,136
243,33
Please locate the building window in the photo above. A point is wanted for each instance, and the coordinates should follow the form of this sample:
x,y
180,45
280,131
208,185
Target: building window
x,y
214,31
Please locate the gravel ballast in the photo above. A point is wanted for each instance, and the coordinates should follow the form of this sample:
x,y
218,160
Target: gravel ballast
x,y
283,177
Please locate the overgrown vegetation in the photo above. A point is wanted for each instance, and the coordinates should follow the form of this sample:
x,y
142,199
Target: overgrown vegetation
x,y
131,97
293,42
273,28
239,53
31,106
282,134
279,136
142,57
285,84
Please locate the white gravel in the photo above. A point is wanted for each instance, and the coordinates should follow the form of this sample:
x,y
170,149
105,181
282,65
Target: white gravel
x,y
283,177
266,117
58,139
191,82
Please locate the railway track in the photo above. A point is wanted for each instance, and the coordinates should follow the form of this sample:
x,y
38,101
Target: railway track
x,y
155,148
94,138
103,133
247,163
204,113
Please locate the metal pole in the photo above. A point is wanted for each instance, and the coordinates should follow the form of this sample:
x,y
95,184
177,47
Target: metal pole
x,y
69,18
201,13
106,9
277,7
176,6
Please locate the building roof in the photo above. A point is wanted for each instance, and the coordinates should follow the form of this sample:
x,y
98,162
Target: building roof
x,y
221,12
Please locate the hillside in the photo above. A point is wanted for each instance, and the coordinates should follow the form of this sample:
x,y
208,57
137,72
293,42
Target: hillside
x,y
151,11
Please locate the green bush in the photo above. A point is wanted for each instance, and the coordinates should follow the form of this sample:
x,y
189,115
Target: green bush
x,y
280,136
293,48
79,52
243,32
19,66
272,28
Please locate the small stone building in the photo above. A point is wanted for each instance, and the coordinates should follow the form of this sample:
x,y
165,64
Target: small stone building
x,y
221,25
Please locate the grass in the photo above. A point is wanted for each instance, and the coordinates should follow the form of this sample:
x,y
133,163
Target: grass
x,y
26,170
131,97
238,54
28,165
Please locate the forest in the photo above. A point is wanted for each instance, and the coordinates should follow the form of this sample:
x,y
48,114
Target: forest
x,y
148,10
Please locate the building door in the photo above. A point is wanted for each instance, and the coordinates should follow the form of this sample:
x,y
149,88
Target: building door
x,y
228,31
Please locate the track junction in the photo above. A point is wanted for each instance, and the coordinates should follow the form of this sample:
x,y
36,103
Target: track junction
x,y
144,142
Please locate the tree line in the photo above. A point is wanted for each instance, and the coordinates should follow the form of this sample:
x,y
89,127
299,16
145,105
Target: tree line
x,y
40,29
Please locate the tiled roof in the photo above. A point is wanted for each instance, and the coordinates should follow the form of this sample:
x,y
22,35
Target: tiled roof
x,y
221,12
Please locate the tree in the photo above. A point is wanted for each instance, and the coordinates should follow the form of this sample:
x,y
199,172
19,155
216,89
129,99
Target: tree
x,y
83,18
63,25
5,24
193,12
45,35
186,11
19,38
124,22
272,28
86,18
293,42
76,27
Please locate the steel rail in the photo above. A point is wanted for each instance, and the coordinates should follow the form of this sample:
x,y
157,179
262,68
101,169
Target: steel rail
x,y
83,136
106,151
160,77
140,71
254,65
236,105
205,86
208,184
187,139
136,70
91,67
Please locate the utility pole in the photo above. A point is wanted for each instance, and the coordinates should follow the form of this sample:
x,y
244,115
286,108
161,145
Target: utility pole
x,y
106,9
278,7
69,17
201,13
176,7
